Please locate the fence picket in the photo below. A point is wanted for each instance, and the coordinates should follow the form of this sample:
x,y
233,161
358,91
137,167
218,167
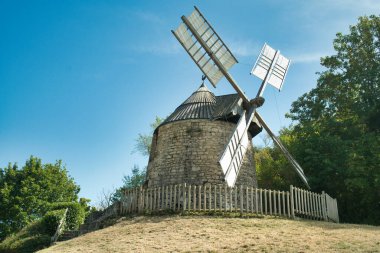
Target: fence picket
x,y
290,207
189,198
241,198
270,202
252,199
205,198
184,196
256,202
195,198
247,200
215,193
235,190
209,199
265,201
220,198
231,201
225,197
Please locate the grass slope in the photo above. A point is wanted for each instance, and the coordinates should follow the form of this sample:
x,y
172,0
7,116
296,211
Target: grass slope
x,y
217,234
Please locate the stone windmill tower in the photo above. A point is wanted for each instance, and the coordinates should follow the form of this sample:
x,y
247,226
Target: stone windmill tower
x,y
187,146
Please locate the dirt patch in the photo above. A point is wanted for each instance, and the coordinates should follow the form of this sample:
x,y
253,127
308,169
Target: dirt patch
x,y
216,234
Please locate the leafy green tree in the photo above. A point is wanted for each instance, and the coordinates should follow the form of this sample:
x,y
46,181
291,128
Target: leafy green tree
x,y
273,169
144,141
25,192
137,179
337,138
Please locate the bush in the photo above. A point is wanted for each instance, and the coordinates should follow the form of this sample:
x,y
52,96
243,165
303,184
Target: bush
x,y
75,213
51,221
30,239
36,235
27,244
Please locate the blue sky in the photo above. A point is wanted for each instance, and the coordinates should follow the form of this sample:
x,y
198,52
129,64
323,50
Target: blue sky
x,y
80,79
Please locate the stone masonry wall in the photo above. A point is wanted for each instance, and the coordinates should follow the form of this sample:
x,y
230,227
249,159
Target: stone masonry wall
x,y
188,151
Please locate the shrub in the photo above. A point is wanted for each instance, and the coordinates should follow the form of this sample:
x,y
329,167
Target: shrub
x,y
35,236
30,239
27,244
75,214
51,220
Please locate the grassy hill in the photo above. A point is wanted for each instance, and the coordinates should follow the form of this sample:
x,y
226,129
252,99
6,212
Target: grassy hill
x,y
217,234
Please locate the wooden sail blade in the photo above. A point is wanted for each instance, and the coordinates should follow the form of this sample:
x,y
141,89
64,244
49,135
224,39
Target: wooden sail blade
x,y
232,157
271,66
200,40
288,156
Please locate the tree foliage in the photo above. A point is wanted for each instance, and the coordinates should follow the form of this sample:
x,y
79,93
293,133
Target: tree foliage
x,y
137,179
138,176
25,192
144,141
272,168
336,134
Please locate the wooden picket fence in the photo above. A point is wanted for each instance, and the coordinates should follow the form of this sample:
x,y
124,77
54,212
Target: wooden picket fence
x,y
293,203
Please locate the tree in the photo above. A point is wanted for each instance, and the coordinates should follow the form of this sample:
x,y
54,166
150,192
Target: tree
x,y
107,198
137,179
144,141
337,136
25,192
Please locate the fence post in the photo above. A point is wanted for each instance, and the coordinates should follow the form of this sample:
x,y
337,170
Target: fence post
x,y
292,202
336,210
225,197
288,203
215,194
184,197
231,199
256,201
205,198
324,207
270,202
195,198
220,198
241,198
265,200
200,197
189,198
247,200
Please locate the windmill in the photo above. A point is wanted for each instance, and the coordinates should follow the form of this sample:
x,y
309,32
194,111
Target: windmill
x,y
214,59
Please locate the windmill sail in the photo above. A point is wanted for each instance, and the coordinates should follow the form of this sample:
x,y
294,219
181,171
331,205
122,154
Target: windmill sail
x,y
271,66
201,41
233,155
277,141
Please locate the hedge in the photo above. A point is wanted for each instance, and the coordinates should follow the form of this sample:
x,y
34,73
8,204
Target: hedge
x,y
51,221
75,213
34,236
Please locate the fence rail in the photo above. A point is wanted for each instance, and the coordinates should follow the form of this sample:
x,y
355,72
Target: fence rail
x,y
293,203
59,229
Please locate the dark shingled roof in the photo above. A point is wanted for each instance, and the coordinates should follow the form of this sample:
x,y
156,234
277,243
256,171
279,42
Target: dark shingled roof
x,y
203,104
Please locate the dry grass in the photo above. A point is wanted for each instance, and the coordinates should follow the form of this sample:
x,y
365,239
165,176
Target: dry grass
x,y
216,234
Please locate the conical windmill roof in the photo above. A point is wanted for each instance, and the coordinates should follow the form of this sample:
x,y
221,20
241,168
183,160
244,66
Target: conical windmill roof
x,y
203,104
200,105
